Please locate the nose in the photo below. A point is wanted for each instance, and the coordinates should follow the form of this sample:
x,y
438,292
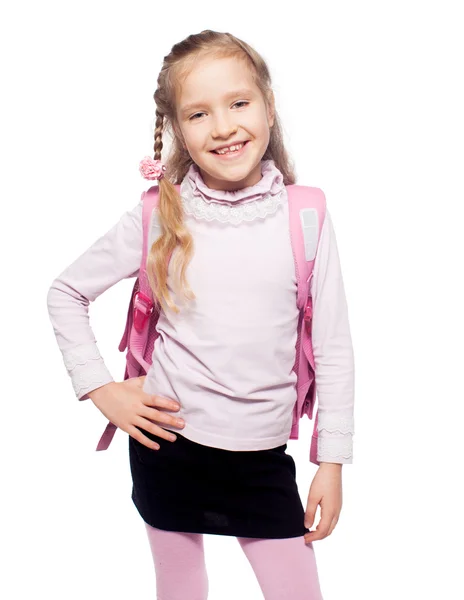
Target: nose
x,y
223,127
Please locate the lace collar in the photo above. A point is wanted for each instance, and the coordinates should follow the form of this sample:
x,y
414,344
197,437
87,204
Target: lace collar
x,y
247,204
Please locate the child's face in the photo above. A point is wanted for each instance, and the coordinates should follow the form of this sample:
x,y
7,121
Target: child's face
x,y
218,119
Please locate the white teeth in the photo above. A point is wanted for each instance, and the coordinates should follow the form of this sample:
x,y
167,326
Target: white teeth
x,y
230,149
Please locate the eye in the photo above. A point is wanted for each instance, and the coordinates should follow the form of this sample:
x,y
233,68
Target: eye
x,y
192,118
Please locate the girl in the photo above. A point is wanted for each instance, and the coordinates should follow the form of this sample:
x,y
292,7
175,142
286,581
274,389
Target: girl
x,y
223,360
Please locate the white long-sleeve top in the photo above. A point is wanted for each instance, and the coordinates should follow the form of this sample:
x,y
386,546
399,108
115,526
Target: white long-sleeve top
x,y
227,357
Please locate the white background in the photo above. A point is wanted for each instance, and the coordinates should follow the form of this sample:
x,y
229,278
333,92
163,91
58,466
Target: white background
x,y
371,99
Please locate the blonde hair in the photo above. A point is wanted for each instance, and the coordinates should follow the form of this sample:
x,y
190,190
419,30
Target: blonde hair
x,y
175,235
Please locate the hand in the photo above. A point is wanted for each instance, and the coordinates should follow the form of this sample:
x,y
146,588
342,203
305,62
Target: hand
x,y
326,490
127,406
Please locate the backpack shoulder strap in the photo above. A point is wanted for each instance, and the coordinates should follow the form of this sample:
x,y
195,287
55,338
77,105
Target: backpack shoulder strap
x,y
149,220
307,208
150,202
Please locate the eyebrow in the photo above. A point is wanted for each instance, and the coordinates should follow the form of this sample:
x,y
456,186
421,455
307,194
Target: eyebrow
x,y
191,106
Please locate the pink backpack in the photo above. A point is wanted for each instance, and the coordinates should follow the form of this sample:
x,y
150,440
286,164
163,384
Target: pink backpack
x,y
307,207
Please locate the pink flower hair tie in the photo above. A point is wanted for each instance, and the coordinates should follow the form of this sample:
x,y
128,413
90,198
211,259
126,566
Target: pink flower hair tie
x,y
151,169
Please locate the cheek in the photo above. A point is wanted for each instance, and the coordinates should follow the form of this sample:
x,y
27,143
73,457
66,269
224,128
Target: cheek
x,y
257,124
263,133
195,139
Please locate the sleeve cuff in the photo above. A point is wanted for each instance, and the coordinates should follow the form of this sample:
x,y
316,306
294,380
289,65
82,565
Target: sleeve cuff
x,y
336,448
87,369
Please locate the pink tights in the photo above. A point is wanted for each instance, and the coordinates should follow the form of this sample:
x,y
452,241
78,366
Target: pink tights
x,y
285,568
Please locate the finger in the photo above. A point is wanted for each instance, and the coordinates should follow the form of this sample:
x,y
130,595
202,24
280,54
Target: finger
x,y
155,429
156,401
153,414
333,524
322,529
310,513
143,439
315,535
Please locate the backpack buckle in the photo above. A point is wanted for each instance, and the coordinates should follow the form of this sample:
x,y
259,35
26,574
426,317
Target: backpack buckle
x,y
143,307
308,312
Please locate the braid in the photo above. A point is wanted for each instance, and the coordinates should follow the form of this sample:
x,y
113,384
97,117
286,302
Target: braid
x,y
174,236
158,146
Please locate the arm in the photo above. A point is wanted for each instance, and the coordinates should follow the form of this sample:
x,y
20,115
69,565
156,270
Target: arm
x,y
114,256
333,355
334,362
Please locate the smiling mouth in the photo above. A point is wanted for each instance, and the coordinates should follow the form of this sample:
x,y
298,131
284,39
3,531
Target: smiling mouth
x,y
233,152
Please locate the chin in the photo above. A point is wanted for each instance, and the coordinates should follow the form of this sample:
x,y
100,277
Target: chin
x,y
229,172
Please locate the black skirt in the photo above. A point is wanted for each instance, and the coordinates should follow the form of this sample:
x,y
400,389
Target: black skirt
x,y
188,487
